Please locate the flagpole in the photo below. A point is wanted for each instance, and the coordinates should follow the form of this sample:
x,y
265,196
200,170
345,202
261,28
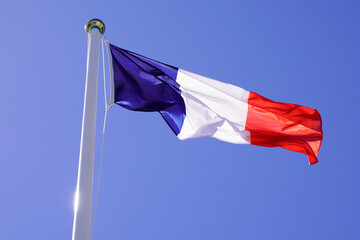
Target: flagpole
x,y
84,189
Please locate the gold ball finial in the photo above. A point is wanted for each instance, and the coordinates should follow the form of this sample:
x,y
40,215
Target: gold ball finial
x,y
95,23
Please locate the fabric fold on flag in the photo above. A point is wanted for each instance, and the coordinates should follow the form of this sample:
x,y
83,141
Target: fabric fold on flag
x,y
196,106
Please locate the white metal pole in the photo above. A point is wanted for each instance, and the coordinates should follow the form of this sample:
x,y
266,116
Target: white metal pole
x,y
84,189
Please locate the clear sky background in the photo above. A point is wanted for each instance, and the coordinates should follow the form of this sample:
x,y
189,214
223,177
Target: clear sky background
x,y
154,186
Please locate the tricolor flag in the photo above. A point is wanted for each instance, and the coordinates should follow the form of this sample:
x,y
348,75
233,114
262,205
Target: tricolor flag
x,y
196,106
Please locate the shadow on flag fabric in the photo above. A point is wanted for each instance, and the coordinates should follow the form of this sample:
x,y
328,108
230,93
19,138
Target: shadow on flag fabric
x,y
196,106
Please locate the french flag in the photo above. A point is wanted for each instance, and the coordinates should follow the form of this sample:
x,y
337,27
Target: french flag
x,y
196,106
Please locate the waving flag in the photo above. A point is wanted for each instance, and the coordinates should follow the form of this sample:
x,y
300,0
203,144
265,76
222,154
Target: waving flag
x,y
196,106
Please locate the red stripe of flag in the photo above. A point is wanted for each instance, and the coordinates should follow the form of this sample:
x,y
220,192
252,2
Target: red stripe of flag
x,y
290,126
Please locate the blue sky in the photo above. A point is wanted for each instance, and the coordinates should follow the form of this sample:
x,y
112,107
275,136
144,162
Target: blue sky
x,y
154,186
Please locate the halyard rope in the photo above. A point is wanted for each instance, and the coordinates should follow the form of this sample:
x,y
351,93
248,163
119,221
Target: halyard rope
x,y
107,107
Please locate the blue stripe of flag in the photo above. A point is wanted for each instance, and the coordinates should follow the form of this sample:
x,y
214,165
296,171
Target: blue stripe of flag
x,y
143,84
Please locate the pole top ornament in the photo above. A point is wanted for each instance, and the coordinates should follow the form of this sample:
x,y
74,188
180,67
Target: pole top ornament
x,y
95,23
